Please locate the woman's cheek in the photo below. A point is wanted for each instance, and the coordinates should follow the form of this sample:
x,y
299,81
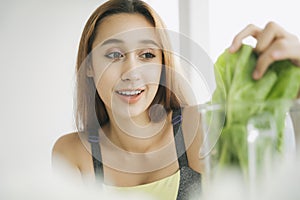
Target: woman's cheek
x,y
105,84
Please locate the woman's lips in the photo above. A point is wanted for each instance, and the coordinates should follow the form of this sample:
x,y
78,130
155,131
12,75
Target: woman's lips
x,y
130,96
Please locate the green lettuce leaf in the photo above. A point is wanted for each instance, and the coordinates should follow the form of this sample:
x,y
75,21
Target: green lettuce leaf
x,y
245,98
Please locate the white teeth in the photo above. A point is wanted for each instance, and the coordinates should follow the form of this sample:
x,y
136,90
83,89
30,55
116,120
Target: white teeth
x,y
129,92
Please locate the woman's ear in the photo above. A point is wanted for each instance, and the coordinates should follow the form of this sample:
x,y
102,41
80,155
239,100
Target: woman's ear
x,y
90,71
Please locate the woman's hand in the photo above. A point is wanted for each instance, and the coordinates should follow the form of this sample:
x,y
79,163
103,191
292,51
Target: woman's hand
x,y
273,43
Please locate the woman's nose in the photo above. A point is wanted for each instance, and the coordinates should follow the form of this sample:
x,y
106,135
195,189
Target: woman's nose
x,y
131,75
130,68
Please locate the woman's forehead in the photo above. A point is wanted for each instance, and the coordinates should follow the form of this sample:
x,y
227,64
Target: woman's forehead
x,y
127,29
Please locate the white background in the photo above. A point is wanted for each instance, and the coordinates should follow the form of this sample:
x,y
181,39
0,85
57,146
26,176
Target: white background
x,y
39,41
38,47
226,18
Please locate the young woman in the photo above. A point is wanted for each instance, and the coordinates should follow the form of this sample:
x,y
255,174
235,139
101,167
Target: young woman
x,y
128,115
133,133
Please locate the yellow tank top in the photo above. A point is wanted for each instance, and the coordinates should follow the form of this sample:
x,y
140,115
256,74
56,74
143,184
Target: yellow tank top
x,y
164,189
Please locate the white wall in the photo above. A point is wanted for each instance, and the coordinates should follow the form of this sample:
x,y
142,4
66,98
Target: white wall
x,y
168,10
229,17
39,41
194,24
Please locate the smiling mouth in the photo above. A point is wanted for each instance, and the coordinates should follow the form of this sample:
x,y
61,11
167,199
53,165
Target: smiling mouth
x,y
129,92
130,96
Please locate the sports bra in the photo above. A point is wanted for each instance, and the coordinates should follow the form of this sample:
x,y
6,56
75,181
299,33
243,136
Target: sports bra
x,y
190,180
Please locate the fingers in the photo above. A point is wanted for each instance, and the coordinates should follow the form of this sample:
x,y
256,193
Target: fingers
x,y
275,51
273,43
250,30
280,49
266,37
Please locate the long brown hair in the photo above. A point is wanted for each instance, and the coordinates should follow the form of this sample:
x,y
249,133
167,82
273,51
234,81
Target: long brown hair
x,y
90,110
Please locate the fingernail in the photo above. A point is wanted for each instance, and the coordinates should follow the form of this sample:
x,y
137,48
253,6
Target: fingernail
x,y
231,48
256,74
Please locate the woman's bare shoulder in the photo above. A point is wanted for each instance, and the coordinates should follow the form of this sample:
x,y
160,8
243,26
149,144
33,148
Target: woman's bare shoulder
x,y
70,148
67,156
66,143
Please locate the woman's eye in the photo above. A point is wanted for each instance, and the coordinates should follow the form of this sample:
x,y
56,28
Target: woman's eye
x,y
114,55
147,55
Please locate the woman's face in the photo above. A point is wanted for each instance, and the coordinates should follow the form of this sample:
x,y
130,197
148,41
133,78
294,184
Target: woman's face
x,y
126,63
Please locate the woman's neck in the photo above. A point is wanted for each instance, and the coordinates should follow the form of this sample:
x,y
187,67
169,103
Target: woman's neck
x,y
138,134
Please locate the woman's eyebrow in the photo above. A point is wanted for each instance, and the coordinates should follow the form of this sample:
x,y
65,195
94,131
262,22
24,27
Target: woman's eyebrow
x,y
110,41
149,42
118,41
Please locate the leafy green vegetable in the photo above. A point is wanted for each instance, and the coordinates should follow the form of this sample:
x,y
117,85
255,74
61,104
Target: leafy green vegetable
x,y
246,99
